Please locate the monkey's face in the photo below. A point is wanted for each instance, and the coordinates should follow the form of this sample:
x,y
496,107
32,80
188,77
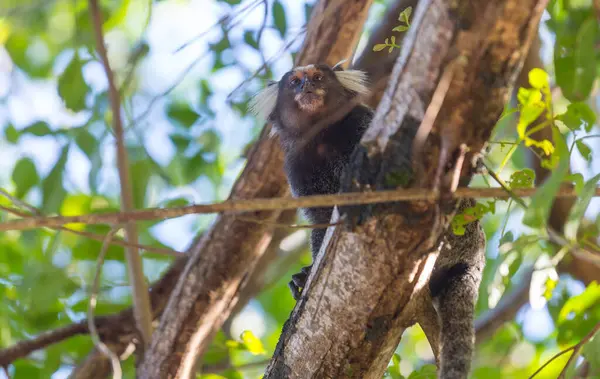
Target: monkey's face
x,y
308,87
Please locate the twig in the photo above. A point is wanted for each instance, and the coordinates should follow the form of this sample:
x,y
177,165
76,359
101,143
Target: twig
x,y
141,300
270,204
114,360
24,348
94,236
575,349
222,21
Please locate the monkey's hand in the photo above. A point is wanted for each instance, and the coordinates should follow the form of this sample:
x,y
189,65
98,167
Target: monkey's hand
x,y
299,281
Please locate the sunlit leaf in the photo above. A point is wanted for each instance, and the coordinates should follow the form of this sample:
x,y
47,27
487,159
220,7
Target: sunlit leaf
x,y
578,304
252,343
405,15
522,179
538,78
379,47
538,211
400,28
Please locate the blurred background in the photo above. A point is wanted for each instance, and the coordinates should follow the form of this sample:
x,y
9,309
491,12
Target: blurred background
x,y
186,70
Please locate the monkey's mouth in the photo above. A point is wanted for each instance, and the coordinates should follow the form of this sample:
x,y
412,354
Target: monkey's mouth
x,y
309,101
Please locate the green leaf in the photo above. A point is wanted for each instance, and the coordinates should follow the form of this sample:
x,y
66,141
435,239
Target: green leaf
x,y
591,351
39,129
183,114
141,171
405,15
53,192
118,17
86,142
250,40
11,134
522,179
210,141
575,65
538,78
400,28
538,211
580,303
72,88
25,176
379,47
584,150
427,371
252,343
279,17
576,179
579,207
507,237
578,115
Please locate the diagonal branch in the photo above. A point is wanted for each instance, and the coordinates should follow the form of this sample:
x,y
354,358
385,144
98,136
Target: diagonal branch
x,y
141,300
98,237
274,204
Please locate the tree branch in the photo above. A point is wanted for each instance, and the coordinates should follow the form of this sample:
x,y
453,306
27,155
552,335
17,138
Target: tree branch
x,y
207,291
98,237
366,282
274,204
141,300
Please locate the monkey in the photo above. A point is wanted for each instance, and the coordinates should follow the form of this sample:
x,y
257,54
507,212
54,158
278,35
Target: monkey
x,y
318,114
312,111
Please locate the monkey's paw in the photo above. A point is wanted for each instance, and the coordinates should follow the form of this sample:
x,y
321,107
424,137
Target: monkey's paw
x,y
299,281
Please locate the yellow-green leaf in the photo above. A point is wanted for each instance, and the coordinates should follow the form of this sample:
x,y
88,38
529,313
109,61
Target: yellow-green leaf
x,y
379,47
252,343
538,78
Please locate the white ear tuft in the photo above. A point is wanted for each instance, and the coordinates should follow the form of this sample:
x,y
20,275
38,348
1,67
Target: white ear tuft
x,y
263,103
354,80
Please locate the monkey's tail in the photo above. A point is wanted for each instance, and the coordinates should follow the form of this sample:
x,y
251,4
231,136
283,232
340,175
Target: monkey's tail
x,y
455,307
454,286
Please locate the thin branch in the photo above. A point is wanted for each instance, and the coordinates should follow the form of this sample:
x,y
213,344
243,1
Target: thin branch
x,y
141,300
114,359
24,348
575,349
270,204
90,235
222,21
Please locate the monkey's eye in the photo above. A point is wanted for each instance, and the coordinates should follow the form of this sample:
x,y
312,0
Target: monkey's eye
x,y
317,77
295,81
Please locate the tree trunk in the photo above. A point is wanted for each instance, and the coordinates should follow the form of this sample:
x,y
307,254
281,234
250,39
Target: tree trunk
x,y
208,288
370,280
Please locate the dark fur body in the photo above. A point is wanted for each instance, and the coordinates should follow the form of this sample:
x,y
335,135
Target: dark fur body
x,y
316,167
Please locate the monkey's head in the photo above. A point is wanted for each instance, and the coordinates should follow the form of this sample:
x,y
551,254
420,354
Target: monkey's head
x,y
306,95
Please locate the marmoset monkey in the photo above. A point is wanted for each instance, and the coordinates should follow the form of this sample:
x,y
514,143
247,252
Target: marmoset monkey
x,y
317,114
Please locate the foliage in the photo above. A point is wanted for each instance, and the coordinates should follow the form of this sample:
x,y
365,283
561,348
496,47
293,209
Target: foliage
x,y
186,130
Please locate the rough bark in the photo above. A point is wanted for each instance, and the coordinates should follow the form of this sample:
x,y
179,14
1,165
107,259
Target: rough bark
x,y
207,289
369,279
